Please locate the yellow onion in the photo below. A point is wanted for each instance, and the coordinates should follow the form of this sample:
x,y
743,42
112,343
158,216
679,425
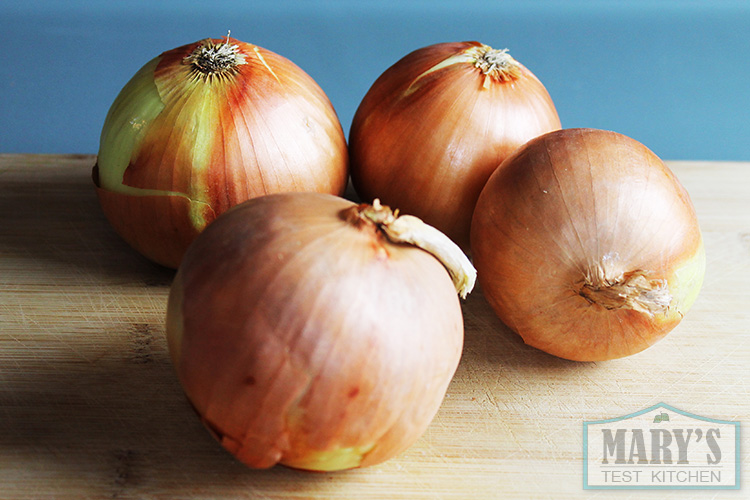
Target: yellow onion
x,y
587,245
313,332
203,127
435,125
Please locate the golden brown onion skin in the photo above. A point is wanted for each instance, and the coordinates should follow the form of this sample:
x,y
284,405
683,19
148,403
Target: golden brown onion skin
x,y
571,204
427,140
306,340
262,126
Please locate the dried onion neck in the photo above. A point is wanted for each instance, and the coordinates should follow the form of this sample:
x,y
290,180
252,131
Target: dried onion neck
x,y
412,230
632,290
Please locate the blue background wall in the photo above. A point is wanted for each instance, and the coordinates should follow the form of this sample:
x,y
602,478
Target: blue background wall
x,y
673,74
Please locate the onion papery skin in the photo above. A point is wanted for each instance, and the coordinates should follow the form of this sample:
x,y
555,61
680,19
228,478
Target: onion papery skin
x,y
306,340
433,127
180,146
572,216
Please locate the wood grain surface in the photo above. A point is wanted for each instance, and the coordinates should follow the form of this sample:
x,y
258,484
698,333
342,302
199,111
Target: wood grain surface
x,y
90,406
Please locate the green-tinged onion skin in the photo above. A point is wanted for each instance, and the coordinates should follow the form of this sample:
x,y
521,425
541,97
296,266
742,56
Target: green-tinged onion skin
x,y
307,340
587,245
435,125
180,146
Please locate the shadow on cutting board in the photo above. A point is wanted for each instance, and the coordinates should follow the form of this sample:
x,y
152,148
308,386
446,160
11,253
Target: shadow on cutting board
x,y
53,219
114,427
489,342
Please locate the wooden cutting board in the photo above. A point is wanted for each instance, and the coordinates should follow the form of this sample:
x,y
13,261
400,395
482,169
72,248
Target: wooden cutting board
x,y
90,406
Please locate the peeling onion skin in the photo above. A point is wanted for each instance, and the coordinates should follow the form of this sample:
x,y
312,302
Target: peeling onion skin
x,y
180,146
573,207
305,340
426,140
